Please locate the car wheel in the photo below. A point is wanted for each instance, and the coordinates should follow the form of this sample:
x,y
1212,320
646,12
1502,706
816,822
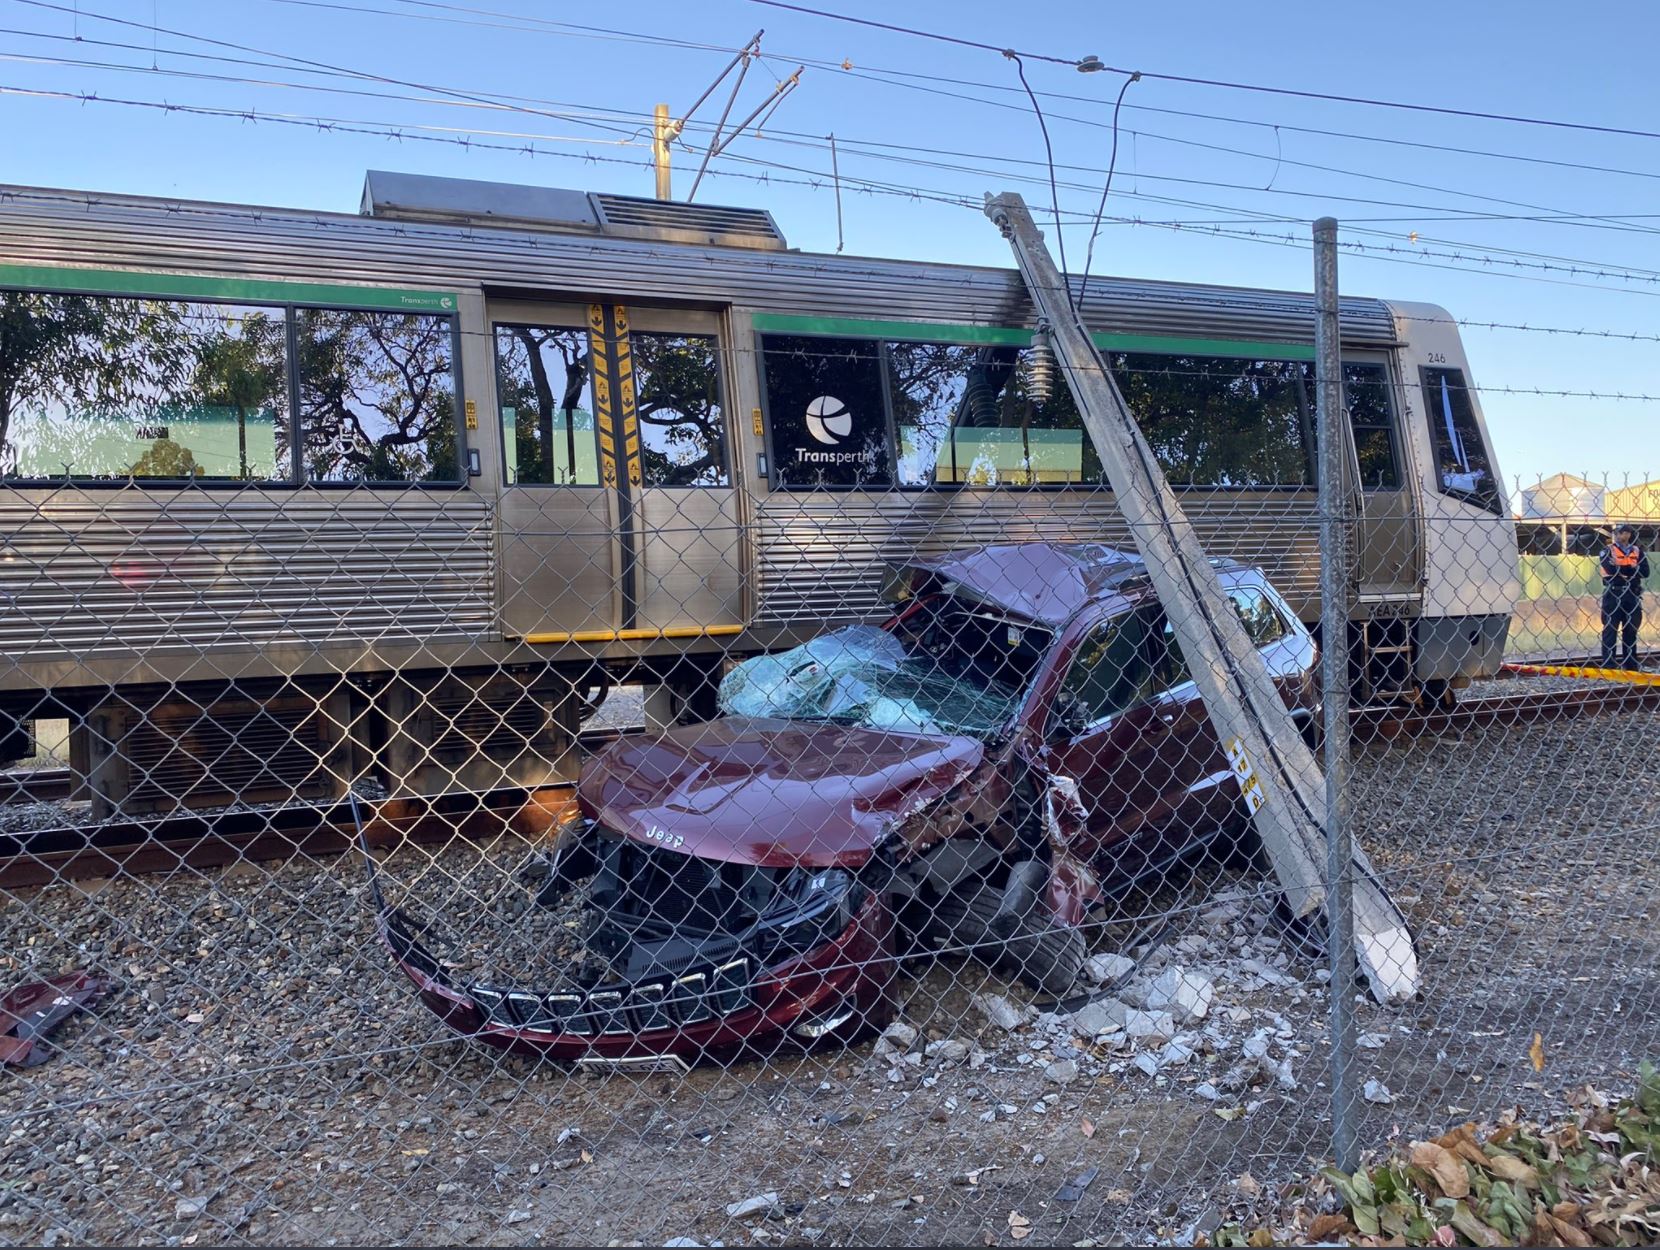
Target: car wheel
x,y
1045,955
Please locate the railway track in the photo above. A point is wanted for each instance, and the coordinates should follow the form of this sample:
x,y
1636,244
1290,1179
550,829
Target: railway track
x,y
215,838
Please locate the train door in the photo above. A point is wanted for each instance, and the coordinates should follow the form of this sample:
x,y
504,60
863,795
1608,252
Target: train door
x,y
618,518
1388,560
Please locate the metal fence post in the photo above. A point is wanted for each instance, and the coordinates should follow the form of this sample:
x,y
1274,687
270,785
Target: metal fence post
x,y
1334,642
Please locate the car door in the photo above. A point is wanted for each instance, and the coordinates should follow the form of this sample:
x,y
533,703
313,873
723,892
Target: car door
x,y
1109,734
1209,790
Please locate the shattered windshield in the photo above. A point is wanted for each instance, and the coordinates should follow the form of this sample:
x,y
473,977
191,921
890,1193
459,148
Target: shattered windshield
x,y
942,670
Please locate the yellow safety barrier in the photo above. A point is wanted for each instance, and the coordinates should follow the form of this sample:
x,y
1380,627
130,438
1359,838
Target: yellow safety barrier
x,y
1631,677
635,635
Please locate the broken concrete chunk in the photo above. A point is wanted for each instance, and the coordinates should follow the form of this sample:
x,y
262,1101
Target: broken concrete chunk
x,y
1149,1025
1002,1012
752,1206
948,1050
190,1208
1147,1063
1371,1041
1185,995
1094,1019
1376,1091
1061,1071
1103,969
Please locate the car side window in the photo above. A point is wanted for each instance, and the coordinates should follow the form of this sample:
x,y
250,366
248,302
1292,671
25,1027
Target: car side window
x,y
1258,616
1255,612
1110,671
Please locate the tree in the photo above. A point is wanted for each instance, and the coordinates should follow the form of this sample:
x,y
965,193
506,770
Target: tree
x,y
245,372
377,396
677,403
71,356
526,385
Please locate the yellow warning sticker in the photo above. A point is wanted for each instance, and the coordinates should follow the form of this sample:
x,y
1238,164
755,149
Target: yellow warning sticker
x,y
1250,785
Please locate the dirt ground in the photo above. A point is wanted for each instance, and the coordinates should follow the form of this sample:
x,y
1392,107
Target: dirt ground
x,y
261,1074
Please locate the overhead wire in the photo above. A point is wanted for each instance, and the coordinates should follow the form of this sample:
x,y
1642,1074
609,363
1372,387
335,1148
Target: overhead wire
x,y
1193,80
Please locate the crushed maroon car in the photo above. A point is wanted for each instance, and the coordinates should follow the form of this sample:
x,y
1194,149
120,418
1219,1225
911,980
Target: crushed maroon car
x,y
1019,742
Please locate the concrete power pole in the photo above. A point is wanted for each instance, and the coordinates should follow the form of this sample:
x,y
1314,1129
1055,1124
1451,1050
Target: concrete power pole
x,y
1278,777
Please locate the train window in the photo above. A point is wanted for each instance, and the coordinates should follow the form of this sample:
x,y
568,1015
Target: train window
x,y
1462,465
96,388
826,411
1366,393
377,397
547,412
965,415
1221,421
677,404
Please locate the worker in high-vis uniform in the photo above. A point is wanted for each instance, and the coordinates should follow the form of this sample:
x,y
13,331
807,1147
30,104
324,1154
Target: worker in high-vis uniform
x,y
1624,570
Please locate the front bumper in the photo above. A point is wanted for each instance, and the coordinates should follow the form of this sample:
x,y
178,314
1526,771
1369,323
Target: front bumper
x,y
703,1010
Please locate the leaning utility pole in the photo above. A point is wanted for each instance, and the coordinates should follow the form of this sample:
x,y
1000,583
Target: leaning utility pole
x,y
1279,780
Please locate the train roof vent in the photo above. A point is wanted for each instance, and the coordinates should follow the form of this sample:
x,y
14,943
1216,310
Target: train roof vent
x,y
688,223
466,201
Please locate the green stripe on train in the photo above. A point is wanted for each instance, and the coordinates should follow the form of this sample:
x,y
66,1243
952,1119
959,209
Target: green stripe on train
x,y
940,332
241,290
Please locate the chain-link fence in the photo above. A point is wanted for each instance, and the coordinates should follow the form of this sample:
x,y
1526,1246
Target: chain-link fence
x,y
769,802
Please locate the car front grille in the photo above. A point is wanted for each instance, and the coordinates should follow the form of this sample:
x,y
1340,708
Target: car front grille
x,y
608,1010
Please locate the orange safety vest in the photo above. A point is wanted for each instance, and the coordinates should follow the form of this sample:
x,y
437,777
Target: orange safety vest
x,y
1625,562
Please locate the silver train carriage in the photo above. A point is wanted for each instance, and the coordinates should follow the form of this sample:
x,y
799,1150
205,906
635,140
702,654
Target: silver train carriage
x,y
290,498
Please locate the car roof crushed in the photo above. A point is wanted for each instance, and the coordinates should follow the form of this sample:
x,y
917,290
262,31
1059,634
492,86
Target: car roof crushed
x,y
1044,583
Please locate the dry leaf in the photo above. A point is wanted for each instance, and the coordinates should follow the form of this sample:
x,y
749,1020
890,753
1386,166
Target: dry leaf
x,y
1087,1128
1019,1226
1119,1195
1324,1226
1247,1184
1260,1238
1536,1052
1446,1167
1569,1233
1510,1168
587,1156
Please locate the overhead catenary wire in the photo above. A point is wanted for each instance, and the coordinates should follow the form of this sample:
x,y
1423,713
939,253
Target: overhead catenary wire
x,y
817,181
1193,80
635,123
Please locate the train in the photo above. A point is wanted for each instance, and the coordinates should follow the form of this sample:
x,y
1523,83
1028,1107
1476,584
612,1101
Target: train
x,y
294,499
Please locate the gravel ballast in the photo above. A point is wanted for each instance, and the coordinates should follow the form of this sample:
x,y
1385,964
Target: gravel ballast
x,y
262,1073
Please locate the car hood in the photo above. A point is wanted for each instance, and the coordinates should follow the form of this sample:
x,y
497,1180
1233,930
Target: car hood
x,y
774,793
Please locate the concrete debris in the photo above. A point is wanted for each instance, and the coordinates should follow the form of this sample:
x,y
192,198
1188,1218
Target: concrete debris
x,y
759,1204
1376,1091
191,1208
1061,1071
898,1036
1372,1041
1098,1019
947,1051
1005,1014
1149,1025
1147,1063
1185,995
1106,969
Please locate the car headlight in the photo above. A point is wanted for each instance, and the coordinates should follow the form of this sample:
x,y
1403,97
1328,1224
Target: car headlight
x,y
816,907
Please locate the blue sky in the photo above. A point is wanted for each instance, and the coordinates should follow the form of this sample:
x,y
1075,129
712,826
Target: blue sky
x,y
1187,153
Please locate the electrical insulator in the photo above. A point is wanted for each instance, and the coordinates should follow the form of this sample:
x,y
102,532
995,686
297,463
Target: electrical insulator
x,y
1040,366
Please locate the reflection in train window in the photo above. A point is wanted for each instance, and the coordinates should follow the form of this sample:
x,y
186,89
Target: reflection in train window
x,y
96,388
1222,421
966,415
826,411
677,404
377,397
547,415
1366,394
1461,460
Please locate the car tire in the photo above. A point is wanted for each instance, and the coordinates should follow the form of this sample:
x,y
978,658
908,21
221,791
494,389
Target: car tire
x,y
1045,955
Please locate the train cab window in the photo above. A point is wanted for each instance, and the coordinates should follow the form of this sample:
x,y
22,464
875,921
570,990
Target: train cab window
x,y
1234,423
105,389
1366,394
677,404
966,416
377,397
827,413
1463,467
547,412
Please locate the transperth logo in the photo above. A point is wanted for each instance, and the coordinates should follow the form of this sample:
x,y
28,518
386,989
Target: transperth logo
x,y
828,420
